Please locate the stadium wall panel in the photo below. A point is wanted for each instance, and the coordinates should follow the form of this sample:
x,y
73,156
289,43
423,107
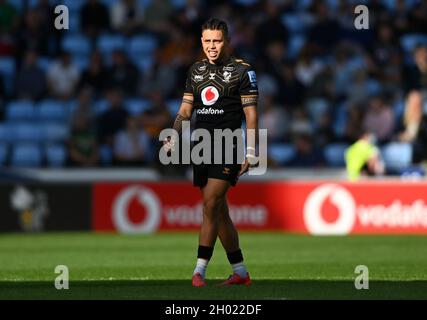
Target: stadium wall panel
x,y
37,207
309,207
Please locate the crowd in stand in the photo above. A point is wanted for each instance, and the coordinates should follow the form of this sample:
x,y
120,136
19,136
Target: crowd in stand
x,y
322,82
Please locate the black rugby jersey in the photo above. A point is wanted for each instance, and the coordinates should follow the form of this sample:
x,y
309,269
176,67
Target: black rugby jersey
x,y
217,90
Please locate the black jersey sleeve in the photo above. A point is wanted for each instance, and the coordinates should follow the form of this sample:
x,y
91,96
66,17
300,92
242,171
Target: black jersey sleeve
x,y
248,87
188,83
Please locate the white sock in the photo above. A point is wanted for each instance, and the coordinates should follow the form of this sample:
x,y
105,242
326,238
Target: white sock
x,y
240,269
201,266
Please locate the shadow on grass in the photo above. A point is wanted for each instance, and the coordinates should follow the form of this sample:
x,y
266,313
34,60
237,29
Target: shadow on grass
x,y
182,290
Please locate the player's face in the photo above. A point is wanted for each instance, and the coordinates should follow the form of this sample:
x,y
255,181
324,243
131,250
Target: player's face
x,y
213,44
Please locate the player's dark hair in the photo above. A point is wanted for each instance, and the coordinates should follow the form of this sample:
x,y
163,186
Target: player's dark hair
x,y
216,24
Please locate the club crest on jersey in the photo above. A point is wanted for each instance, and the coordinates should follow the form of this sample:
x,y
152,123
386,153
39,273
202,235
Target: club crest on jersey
x,y
227,76
209,95
198,78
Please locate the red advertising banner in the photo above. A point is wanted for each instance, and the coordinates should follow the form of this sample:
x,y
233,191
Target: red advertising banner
x,y
319,208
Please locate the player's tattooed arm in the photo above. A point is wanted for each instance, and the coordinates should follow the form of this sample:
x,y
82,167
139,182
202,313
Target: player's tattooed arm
x,y
184,114
249,100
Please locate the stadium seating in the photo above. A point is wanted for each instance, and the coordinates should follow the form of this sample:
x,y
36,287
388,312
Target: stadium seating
x,y
20,111
141,46
397,155
281,153
334,154
3,153
27,132
136,106
55,132
26,155
107,43
55,155
7,70
51,110
76,44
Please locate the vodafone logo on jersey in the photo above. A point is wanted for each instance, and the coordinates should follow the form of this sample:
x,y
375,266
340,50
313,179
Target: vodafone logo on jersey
x,y
339,197
147,199
209,95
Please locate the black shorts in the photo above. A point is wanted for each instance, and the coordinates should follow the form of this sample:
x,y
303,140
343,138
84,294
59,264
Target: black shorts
x,y
202,172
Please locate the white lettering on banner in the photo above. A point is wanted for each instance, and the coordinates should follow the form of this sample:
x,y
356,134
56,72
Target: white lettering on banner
x,y
395,215
192,216
146,198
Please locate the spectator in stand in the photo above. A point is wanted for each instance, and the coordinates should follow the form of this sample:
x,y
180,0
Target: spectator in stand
x,y
31,79
415,127
94,18
271,29
300,123
379,119
157,15
416,75
127,16
32,35
131,145
96,75
364,158
9,17
353,123
84,105
307,67
307,155
63,77
114,119
123,74
83,149
273,118
156,118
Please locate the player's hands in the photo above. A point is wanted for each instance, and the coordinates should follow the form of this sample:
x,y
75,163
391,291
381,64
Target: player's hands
x,y
245,167
169,144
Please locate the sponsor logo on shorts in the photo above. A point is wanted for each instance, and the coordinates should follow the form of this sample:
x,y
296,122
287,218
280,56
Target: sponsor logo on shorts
x,y
226,171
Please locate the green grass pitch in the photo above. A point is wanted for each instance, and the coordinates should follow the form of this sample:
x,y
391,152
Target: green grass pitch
x,y
282,266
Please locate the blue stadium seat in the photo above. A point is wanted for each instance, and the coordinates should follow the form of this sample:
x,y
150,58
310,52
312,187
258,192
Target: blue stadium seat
x,y
51,110
409,41
44,63
5,132
296,42
107,43
73,5
55,132
3,153
56,155
335,154
397,155
105,155
173,106
26,155
76,44
141,46
143,63
281,153
136,106
100,106
27,132
7,72
20,110
316,107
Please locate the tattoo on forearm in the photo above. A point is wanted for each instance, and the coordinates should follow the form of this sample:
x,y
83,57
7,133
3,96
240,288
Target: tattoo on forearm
x,y
185,100
178,123
249,100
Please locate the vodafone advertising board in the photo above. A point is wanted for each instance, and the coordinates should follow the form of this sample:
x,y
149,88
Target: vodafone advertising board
x,y
319,208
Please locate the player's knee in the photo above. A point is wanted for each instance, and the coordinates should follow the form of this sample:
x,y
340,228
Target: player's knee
x,y
212,205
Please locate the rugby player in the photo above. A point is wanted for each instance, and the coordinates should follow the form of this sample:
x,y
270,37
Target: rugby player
x,y
222,90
